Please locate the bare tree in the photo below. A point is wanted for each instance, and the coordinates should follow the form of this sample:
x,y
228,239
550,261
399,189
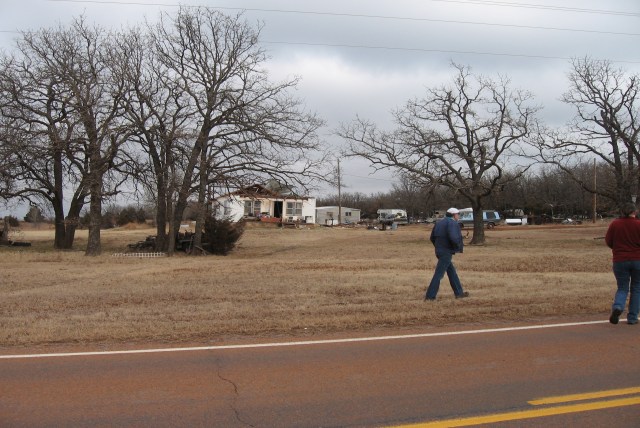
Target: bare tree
x,y
605,127
161,115
60,98
462,137
41,134
412,196
243,126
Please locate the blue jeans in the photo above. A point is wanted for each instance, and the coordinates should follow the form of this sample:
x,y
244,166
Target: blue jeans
x,y
445,265
628,278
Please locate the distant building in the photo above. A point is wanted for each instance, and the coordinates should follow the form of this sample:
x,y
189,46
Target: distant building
x,y
328,216
260,203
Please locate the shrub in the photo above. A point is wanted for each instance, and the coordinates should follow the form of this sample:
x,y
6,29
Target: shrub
x,y
130,215
125,216
222,234
34,215
12,221
107,221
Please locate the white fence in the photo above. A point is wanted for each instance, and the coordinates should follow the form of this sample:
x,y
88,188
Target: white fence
x,y
141,255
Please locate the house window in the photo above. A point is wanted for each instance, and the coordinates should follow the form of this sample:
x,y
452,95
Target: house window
x,y
294,209
252,208
347,214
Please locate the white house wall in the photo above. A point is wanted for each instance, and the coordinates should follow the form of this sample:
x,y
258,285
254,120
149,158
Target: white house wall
x,y
309,210
233,208
322,215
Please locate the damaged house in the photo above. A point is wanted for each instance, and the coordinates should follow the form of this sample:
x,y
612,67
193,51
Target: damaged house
x,y
257,202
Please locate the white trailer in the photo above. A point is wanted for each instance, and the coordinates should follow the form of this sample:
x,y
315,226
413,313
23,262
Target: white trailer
x,y
393,215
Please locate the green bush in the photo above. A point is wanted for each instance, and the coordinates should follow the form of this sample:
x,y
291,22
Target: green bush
x,y
221,235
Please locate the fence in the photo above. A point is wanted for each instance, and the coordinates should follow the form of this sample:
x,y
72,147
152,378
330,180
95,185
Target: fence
x,y
141,255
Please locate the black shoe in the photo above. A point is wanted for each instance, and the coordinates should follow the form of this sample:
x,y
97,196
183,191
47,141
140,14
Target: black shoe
x,y
615,316
429,298
632,322
463,295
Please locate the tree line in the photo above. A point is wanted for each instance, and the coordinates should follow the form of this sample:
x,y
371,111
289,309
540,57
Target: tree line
x,y
548,192
171,110
181,109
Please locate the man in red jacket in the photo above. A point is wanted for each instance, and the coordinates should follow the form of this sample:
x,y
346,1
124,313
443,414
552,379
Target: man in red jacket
x,y
623,237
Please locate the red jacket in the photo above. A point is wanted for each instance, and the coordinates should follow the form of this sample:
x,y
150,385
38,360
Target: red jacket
x,y
623,237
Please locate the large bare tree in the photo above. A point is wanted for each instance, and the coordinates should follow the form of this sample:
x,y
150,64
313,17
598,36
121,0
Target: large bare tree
x,y
60,99
161,115
239,125
41,130
605,128
463,136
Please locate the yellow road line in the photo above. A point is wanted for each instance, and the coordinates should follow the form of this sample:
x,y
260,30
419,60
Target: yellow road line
x,y
585,396
528,414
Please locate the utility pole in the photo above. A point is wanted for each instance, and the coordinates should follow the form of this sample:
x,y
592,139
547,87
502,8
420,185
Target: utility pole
x,y
595,213
339,195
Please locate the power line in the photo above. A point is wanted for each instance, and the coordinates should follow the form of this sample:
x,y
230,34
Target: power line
x,y
390,180
542,7
444,21
474,2
436,50
353,15
496,3
396,48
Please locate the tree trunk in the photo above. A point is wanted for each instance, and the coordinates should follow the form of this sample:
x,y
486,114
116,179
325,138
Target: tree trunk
x,y
171,238
70,232
161,216
202,195
478,225
60,226
58,201
185,187
4,234
94,247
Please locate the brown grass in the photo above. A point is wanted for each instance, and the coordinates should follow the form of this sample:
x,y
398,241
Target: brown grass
x,y
295,282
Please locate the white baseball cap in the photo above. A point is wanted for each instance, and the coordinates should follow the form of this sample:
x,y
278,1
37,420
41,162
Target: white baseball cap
x,y
453,211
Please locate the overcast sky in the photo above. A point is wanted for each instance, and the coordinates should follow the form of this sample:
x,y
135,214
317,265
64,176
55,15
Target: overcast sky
x,y
364,57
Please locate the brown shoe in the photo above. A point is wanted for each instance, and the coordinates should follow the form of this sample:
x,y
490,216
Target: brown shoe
x,y
463,295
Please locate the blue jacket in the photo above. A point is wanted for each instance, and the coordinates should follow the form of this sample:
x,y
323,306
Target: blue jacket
x,y
447,237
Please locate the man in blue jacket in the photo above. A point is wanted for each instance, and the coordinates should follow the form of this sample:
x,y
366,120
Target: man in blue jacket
x,y
447,238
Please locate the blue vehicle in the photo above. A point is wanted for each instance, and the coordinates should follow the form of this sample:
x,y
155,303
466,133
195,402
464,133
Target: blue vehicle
x,y
490,218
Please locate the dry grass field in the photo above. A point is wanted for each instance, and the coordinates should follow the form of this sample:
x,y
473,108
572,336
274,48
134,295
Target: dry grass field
x,y
295,282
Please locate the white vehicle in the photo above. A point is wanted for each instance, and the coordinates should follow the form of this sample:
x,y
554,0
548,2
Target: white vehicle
x,y
389,216
515,217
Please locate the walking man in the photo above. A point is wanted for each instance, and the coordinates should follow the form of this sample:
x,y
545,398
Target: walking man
x,y
447,239
623,237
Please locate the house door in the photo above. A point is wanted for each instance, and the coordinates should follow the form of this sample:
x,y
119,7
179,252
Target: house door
x,y
277,209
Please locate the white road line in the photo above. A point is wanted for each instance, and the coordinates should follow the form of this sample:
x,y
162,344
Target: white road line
x,y
300,343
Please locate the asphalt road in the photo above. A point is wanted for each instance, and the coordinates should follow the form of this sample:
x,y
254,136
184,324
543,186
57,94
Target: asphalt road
x,y
495,376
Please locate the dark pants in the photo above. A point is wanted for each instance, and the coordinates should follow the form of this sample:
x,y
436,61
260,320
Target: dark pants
x,y
445,265
628,278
